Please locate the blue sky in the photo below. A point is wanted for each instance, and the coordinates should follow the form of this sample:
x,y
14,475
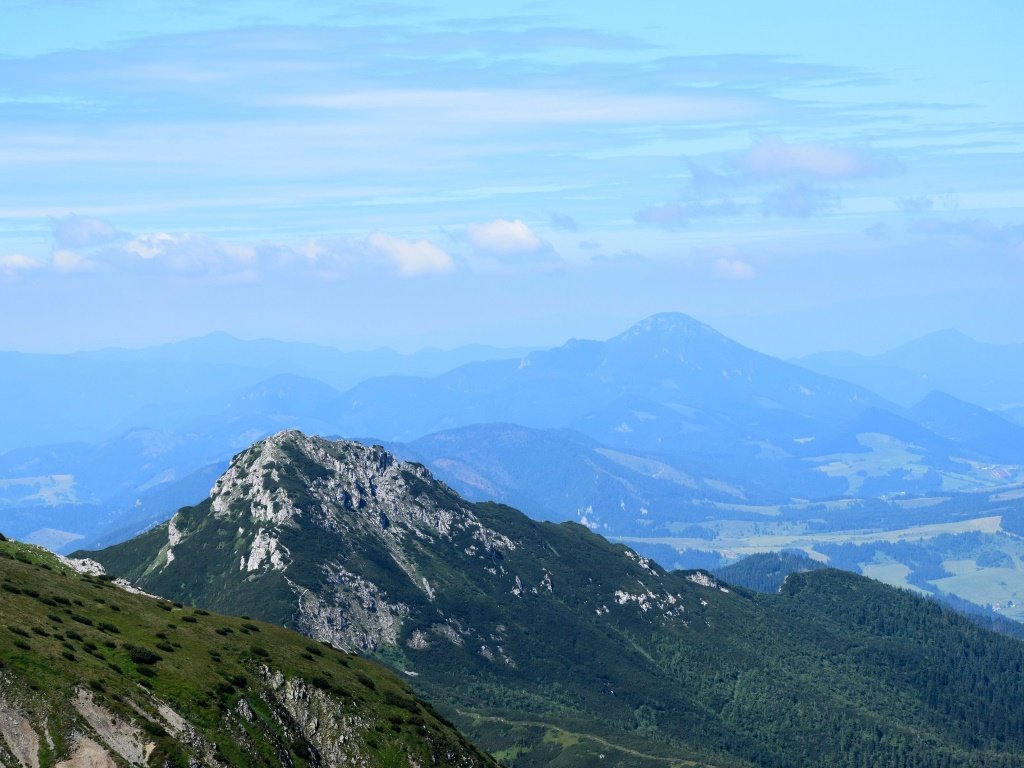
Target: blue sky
x,y
801,175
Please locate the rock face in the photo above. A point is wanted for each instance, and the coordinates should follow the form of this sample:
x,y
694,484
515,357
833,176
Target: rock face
x,y
550,645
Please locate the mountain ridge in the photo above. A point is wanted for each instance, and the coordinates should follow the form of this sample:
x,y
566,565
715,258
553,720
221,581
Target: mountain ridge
x,y
93,675
521,631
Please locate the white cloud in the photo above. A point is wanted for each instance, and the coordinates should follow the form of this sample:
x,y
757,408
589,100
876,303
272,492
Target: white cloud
x,y
503,237
17,262
150,246
734,269
190,251
65,260
412,257
772,158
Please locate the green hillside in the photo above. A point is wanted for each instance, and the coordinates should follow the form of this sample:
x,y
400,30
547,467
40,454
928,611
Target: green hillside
x,y
96,676
766,571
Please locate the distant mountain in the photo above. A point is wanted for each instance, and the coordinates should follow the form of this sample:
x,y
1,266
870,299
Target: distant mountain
x,y
985,433
552,646
337,368
668,361
673,391
991,375
94,396
74,494
94,676
60,398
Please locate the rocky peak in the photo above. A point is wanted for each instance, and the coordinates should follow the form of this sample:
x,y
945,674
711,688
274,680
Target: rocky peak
x,y
669,324
330,523
288,474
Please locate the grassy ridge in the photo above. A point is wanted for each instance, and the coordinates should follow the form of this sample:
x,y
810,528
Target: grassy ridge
x,y
62,633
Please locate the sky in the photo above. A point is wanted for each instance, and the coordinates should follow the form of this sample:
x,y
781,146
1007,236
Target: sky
x,y
803,176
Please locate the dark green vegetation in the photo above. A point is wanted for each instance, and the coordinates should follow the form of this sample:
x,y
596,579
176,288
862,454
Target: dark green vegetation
x,y
766,571
87,668
552,646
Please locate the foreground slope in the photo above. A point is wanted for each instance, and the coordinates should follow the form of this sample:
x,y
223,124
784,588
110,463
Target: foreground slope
x,y
92,676
552,646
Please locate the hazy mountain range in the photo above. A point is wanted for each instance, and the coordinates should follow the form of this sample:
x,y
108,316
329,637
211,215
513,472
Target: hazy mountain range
x,y
990,375
671,436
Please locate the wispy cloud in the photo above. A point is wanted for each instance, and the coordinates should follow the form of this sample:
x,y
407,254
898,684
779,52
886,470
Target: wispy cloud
x,y
772,158
563,221
773,178
507,106
674,215
798,199
979,230
74,231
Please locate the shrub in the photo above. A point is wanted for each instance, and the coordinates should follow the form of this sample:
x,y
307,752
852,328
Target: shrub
x,y
322,683
366,681
143,655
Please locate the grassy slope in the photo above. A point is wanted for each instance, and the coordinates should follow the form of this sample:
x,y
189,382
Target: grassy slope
x,y
61,632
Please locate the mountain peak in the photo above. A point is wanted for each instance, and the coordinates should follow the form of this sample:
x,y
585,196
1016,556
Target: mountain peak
x,y
281,477
670,322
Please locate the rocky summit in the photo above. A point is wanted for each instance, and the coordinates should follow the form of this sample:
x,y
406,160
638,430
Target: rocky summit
x,y
549,644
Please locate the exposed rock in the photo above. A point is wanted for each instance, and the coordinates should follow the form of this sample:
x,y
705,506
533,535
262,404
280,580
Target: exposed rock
x,y
118,734
20,736
88,754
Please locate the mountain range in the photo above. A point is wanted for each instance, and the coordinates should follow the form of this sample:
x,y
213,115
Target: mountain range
x,y
991,375
670,436
95,396
550,645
